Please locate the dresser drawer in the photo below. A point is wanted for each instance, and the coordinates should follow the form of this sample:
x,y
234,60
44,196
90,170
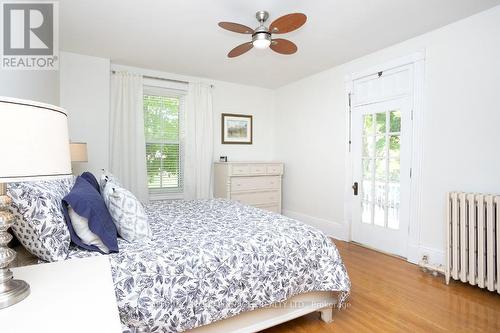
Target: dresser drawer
x,y
258,169
257,198
240,169
274,169
255,183
272,208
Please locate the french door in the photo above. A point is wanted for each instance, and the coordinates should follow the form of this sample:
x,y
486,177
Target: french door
x,y
381,158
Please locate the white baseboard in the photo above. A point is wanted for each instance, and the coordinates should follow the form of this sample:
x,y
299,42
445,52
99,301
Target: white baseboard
x,y
341,231
416,252
330,228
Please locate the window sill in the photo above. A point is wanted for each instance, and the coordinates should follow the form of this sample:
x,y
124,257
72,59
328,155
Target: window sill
x,y
165,196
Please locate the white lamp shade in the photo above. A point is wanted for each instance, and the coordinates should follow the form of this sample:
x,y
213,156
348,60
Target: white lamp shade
x,y
33,141
78,152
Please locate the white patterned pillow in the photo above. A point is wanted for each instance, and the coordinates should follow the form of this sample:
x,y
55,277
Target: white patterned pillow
x,y
107,177
40,225
127,212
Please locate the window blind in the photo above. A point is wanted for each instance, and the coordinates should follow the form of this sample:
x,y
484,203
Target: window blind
x,y
162,128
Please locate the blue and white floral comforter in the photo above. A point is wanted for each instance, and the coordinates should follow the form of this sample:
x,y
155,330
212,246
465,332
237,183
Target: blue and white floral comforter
x,y
212,259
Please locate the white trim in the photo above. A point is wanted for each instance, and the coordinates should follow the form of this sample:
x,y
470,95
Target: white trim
x,y
330,228
348,166
165,195
176,88
400,62
385,99
415,254
414,225
417,62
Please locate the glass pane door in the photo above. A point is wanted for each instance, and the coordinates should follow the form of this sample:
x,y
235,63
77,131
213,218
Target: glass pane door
x,y
380,188
381,141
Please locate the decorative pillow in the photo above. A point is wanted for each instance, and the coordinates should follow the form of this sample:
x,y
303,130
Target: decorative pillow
x,y
90,178
108,177
81,228
128,213
90,220
39,224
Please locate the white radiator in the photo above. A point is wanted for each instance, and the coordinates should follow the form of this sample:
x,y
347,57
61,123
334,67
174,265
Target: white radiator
x,y
473,239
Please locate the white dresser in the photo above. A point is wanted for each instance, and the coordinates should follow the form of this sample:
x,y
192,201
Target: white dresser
x,y
253,183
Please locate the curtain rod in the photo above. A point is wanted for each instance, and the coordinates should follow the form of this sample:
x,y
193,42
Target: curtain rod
x,y
163,79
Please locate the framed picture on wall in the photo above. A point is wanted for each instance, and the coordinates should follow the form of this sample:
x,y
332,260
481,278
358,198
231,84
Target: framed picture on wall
x,y
237,129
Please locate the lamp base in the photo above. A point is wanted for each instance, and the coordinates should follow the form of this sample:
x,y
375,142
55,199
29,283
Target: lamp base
x,y
13,291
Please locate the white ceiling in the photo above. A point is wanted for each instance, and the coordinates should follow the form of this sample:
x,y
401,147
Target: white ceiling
x,y
182,36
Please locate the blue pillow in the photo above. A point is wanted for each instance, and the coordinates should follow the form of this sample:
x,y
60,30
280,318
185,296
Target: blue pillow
x,y
92,180
88,203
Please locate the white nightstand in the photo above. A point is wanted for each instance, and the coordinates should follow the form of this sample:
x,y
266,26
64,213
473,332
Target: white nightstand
x,y
75,295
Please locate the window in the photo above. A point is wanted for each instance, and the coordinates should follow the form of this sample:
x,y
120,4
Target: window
x,y
163,127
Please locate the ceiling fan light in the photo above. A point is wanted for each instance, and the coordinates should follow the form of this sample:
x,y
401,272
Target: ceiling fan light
x,y
261,43
261,40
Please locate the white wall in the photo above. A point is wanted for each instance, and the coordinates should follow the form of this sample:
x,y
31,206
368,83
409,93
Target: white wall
x,y
310,141
84,93
460,129
84,85
241,99
36,85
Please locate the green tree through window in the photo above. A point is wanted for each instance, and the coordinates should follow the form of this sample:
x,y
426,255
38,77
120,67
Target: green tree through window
x,y
163,150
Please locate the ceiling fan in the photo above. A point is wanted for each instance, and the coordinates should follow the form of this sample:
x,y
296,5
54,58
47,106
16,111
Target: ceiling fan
x,y
262,35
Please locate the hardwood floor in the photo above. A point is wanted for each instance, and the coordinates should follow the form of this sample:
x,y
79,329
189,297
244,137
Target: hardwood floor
x,y
392,295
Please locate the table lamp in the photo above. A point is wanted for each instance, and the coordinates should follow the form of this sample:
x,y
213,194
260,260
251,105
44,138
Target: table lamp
x,y
78,152
33,146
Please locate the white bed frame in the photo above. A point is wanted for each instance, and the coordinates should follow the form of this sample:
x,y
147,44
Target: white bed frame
x,y
259,319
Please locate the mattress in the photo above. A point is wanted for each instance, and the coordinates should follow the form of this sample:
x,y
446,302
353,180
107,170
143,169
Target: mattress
x,y
212,259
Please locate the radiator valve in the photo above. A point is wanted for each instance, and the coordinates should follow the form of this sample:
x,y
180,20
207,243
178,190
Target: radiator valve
x,y
428,267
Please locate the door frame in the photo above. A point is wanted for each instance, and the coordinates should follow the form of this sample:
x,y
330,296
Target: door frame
x,y
417,62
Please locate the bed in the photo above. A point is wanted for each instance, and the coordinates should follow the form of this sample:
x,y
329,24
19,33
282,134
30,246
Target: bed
x,y
218,265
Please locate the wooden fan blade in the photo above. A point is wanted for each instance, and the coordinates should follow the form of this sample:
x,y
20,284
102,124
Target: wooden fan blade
x,y
236,27
240,49
287,23
283,46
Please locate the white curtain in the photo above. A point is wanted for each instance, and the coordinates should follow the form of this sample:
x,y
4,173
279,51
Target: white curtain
x,y
127,142
199,138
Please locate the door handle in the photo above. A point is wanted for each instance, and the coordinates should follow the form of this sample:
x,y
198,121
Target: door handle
x,y
355,188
